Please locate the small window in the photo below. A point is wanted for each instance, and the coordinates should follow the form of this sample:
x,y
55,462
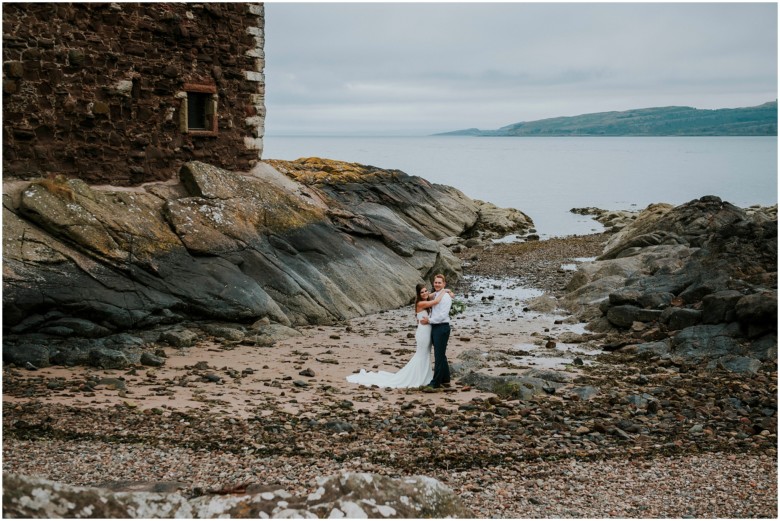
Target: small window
x,y
199,109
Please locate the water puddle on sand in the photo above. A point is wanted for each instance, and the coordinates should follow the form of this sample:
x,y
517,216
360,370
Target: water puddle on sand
x,y
499,298
502,303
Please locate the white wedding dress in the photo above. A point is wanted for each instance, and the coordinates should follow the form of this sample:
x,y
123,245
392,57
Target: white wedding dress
x,y
417,372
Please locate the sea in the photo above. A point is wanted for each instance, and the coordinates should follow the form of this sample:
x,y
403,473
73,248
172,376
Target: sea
x,y
546,177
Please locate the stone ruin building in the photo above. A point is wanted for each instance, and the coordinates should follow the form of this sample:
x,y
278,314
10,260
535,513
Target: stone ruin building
x,y
125,93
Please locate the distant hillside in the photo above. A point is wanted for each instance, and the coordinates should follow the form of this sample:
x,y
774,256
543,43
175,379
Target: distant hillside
x,y
659,121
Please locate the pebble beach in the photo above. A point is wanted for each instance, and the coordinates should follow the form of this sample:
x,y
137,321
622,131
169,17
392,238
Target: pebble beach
x,y
223,417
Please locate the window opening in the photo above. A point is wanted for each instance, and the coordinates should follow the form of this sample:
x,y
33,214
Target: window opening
x,y
198,111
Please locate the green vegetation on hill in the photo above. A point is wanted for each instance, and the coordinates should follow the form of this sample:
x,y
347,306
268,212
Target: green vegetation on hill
x,y
660,121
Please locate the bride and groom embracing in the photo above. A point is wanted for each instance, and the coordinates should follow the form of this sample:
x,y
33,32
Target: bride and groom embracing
x,y
433,329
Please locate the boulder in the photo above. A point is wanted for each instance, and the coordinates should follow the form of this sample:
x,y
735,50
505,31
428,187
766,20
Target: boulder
x,y
25,353
597,281
681,318
233,333
108,359
511,387
764,348
495,222
624,316
349,495
179,337
284,241
543,304
707,341
720,306
739,364
758,308
659,348
470,360
692,223
268,335
706,269
152,360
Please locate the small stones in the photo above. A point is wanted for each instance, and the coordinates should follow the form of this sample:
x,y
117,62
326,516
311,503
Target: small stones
x,y
613,427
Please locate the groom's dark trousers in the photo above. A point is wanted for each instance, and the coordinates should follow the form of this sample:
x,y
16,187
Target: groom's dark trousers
x,y
440,335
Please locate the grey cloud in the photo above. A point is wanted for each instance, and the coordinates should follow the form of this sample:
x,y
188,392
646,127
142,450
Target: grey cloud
x,y
443,66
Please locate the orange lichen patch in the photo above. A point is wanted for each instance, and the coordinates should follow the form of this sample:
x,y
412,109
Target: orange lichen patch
x,y
57,185
315,170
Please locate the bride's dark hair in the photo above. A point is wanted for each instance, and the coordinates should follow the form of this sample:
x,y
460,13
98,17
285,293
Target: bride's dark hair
x,y
417,290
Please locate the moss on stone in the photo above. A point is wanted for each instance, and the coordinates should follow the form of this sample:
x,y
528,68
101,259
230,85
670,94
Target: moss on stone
x,y
315,170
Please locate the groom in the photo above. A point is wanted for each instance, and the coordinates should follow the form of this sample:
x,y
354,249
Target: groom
x,y
440,334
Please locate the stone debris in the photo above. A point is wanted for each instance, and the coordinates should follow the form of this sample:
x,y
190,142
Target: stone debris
x,y
351,495
636,430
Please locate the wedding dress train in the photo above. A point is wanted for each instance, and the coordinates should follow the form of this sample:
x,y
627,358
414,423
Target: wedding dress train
x,y
417,372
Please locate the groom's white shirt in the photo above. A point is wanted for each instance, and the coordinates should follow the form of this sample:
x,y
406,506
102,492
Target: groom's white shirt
x,y
440,313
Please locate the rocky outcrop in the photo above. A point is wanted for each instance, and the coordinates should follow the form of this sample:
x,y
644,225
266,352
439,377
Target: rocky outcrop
x,y
446,219
327,242
612,220
697,282
344,496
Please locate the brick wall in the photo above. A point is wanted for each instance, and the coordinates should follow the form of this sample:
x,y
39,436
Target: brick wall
x,y
98,91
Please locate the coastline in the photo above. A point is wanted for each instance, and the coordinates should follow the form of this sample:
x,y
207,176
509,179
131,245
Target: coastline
x,y
550,456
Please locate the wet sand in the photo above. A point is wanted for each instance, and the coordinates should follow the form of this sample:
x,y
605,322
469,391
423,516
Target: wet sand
x,y
248,381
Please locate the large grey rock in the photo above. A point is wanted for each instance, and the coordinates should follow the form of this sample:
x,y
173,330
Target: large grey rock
x,y
542,304
296,247
739,364
660,348
514,387
596,281
494,221
344,496
268,335
704,262
764,348
25,353
691,223
720,306
681,318
759,308
625,316
108,359
179,337
707,341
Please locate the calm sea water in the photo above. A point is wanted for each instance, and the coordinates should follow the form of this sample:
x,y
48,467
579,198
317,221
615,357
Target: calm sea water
x,y
546,177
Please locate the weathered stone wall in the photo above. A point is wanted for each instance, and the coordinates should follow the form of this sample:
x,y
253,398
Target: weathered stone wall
x,y
98,91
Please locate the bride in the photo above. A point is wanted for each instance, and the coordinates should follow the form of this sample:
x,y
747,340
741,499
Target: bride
x,y
417,372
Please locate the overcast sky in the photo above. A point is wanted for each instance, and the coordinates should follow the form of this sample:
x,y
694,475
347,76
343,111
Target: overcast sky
x,y
421,68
